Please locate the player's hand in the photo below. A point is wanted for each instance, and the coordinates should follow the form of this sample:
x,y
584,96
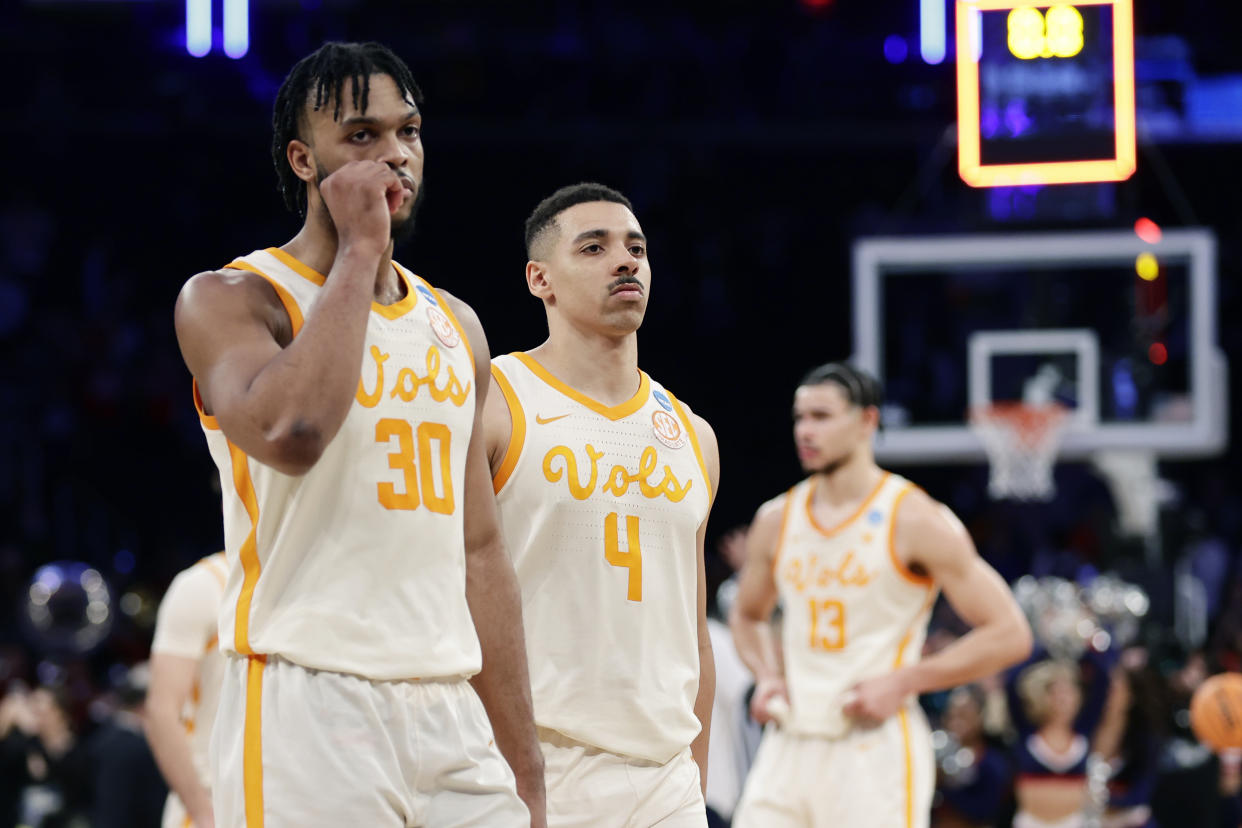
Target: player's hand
x,y
767,700
872,701
361,197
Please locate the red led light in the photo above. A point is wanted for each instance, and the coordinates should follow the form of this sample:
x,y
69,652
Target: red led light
x,y
1158,354
1148,231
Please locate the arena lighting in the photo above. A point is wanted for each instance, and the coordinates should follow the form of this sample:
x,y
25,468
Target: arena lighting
x,y
1118,168
198,32
1148,231
1158,354
1147,267
933,32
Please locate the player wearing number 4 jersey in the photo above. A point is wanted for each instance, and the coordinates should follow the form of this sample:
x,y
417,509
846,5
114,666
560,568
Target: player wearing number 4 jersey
x,y
604,481
856,556
341,396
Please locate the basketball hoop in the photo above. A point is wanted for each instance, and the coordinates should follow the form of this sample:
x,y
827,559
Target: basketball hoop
x,y
1021,440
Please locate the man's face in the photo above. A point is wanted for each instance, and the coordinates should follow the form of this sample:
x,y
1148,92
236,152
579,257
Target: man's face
x,y
827,426
389,131
596,268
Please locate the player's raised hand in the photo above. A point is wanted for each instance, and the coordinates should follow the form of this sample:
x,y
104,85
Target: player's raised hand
x,y
873,700
361,196
770,701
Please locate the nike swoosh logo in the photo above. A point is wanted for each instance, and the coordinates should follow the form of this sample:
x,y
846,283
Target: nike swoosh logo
x,y
542,421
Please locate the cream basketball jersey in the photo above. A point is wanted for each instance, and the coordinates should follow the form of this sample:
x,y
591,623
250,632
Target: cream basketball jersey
x,y
851,609
358,566
600,508
186,627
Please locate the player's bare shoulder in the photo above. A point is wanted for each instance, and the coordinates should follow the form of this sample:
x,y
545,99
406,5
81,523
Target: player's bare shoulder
x,y
765,529
928,533
213,300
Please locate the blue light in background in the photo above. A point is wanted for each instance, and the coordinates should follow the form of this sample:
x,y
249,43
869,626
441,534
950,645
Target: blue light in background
x,y
236,28
895,49
123,561
933,32
198,27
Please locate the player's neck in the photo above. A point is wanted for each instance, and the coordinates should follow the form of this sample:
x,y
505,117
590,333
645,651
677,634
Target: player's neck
x,y
848,483
316,246
603,368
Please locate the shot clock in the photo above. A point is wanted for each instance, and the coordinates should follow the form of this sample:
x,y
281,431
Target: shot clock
x,y
1045,91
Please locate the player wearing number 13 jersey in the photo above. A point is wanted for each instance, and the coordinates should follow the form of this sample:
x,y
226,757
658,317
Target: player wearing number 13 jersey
x,y
341,396
604,481
856,556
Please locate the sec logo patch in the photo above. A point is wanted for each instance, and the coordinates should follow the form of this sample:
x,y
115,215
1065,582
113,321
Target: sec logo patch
x,y
667,429
444,330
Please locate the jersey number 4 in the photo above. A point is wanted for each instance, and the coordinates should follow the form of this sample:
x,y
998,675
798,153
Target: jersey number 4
x,y
827,625
416,467
631,558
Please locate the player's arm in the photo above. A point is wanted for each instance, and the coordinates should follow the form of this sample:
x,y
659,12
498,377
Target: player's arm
x,y
930,537
184,626
707,661
750,618
172,682
495,602
281,401
497,425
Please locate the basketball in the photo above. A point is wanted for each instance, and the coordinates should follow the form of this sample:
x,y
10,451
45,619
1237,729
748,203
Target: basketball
x,y
1216,711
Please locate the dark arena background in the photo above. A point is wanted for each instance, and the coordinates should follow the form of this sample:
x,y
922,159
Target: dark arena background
x,y
782,156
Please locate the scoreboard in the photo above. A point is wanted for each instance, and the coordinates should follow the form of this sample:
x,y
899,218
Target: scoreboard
x,y
1045,91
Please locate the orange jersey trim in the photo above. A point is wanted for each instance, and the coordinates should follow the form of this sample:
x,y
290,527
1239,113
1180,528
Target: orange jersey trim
x,y
780,539
909,763
810,512
252,751
903,570
444,306
206,562
286,298
615,412
206,419
694,441
517,431
393,311
249,553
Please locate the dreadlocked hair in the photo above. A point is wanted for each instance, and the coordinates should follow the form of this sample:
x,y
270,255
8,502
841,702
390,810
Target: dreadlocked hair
x,y
324,72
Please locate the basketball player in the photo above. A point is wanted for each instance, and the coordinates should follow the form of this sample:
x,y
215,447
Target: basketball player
x,y
604,481
342,400
856,556
185,686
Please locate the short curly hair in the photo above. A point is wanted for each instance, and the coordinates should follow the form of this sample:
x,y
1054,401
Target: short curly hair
x,y
543,217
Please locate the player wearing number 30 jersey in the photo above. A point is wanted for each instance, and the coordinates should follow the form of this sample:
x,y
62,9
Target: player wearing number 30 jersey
x,y
604,480
856,556
369,595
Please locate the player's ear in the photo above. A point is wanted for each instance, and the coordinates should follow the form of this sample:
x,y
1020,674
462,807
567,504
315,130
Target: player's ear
x,y
301,160
871,416
537,280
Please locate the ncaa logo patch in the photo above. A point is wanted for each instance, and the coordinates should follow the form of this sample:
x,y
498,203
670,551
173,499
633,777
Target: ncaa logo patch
x,y
662,399
875,517
426,292
444,329
667,429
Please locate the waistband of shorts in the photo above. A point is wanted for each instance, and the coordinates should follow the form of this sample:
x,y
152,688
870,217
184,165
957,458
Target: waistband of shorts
x,y
277,659
555,738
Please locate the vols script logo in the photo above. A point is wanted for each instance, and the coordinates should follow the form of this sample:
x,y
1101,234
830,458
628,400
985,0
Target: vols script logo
x,y
667,429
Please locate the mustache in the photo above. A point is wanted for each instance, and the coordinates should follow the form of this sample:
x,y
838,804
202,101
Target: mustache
x,y
626,280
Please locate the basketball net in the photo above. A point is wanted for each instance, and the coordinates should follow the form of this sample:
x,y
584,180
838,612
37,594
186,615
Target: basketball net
x,y
1021,440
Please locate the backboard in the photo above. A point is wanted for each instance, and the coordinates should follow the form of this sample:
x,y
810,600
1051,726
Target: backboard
x,y
949,323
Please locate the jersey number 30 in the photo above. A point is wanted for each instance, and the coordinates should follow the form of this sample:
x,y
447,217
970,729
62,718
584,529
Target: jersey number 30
x,y
420,476
631,558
